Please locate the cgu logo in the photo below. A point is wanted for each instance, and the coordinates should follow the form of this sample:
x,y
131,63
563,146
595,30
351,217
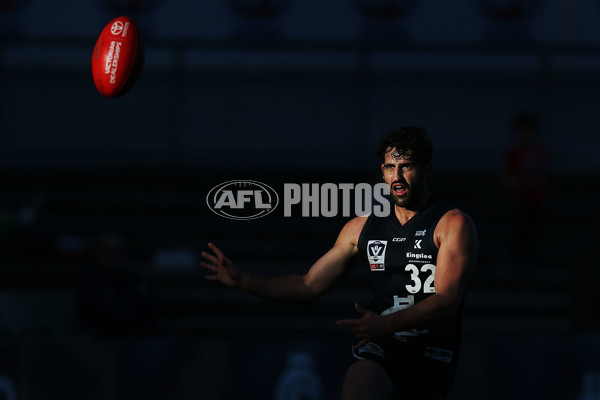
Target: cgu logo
x,y
242,200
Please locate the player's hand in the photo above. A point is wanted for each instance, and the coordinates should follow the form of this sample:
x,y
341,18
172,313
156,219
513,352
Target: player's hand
x,y
366,328
224,270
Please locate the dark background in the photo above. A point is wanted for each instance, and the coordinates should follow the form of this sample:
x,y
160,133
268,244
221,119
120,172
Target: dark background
x,y
103,201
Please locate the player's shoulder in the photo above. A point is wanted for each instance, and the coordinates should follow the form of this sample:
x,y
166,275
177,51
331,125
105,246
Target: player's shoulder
x,y
352,229
456,216
356,223
455,220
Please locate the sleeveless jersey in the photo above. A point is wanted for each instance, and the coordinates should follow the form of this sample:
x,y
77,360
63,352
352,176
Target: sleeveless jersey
x,y
402,261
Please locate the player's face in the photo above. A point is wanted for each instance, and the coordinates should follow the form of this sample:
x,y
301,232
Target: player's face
x,y
406,177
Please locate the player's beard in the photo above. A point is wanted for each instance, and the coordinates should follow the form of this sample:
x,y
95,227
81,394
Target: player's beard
x,y
411,198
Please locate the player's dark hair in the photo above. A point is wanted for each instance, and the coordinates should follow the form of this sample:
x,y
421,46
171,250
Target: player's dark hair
x,y
409,139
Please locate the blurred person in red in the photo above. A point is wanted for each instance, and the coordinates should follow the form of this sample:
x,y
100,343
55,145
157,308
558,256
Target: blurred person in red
x,y
526,172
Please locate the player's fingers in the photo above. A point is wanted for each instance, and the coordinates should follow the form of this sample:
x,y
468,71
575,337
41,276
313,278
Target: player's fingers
x,y
211,278
208,266
359,309
361,344
210,257
217,251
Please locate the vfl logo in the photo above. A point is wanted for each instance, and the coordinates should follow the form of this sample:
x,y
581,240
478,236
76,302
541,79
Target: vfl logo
x,y
376,254
242,200
116,28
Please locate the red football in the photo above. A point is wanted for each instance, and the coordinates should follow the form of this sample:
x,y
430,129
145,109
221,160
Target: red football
x,y
118,57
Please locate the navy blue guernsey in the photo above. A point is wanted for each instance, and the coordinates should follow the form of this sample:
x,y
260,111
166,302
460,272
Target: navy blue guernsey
x,y
402,260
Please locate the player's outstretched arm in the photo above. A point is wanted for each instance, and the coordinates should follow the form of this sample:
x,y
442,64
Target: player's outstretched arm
x,y
290,288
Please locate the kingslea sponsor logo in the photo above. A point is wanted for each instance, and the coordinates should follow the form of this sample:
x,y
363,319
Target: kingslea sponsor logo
x,y
246,199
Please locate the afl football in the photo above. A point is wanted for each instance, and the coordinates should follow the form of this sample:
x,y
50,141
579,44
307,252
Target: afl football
x,y
118,57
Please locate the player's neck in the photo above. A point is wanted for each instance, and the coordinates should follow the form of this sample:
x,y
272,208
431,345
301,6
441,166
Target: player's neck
x,y
404,214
